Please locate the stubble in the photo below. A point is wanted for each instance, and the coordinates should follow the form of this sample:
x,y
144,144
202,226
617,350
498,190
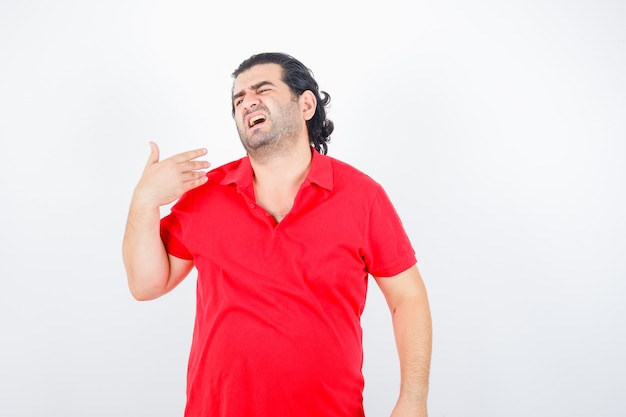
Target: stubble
x,y
279,136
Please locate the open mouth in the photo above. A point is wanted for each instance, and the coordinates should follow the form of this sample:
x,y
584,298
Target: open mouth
x,y
256,120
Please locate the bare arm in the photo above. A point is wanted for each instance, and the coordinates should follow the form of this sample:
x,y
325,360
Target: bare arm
x,y
408,301
151,272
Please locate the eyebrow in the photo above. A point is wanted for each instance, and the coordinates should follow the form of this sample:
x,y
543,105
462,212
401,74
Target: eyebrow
x,y
252,87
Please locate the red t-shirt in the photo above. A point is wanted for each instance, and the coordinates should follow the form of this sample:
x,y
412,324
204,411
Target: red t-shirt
x,y
277,330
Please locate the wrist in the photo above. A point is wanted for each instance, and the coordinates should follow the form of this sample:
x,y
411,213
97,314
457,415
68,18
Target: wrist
x,y
142,202
407,407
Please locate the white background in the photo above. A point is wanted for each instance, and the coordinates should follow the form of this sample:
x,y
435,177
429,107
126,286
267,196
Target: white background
x,y
497,128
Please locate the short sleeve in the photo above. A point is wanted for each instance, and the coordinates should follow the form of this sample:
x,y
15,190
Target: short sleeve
x,y
174,225
172,237
388,250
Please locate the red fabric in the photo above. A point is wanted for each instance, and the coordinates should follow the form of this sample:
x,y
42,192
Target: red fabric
x,y
277,329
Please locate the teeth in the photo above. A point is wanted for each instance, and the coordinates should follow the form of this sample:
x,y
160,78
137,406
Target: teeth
x,y
256,119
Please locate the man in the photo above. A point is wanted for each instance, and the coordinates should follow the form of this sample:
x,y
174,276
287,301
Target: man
x,y
283,240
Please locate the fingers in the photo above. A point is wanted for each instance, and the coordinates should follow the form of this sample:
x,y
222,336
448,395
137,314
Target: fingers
x,y
187,164
182,162
164,181
191,180
189,155
193,165
153,158
194,178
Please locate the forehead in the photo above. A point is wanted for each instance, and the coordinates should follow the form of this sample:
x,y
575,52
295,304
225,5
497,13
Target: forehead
x,y
258,74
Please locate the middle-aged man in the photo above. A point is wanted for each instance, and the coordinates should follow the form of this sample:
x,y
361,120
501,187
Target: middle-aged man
x,y
283,240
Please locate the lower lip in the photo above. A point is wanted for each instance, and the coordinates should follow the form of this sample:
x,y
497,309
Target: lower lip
x,y
256,126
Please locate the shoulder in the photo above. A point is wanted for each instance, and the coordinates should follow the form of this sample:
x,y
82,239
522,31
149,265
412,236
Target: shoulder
x,y
226,170
347,174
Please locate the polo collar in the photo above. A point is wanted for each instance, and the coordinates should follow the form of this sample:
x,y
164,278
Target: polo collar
x,y
320,173
241,174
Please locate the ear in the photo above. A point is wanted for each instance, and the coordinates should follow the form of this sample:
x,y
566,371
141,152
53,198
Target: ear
x,y
308,104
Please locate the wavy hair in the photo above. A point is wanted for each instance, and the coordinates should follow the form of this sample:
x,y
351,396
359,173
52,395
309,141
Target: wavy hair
x,y
299,79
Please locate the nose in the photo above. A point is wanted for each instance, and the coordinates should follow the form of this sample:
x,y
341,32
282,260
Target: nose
x,y
250,101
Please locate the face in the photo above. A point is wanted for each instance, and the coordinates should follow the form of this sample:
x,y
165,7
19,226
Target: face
x,y
267,115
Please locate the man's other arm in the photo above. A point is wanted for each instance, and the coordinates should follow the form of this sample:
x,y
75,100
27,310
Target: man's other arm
x,y
407,299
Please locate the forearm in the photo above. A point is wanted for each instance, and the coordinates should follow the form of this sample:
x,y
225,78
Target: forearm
x,y
413,332
145,258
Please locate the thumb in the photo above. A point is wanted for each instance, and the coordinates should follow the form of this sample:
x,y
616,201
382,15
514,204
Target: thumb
x,y
154,154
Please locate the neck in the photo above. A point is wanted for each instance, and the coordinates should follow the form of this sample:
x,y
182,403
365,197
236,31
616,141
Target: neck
x,y
285,170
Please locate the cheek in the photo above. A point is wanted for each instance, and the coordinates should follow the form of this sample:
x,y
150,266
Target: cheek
x,y
238,121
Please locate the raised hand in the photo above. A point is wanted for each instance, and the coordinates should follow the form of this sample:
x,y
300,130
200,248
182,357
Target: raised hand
x,y
164,181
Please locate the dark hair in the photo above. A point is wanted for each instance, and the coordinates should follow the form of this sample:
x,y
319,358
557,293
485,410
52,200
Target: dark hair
x,y
299,79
